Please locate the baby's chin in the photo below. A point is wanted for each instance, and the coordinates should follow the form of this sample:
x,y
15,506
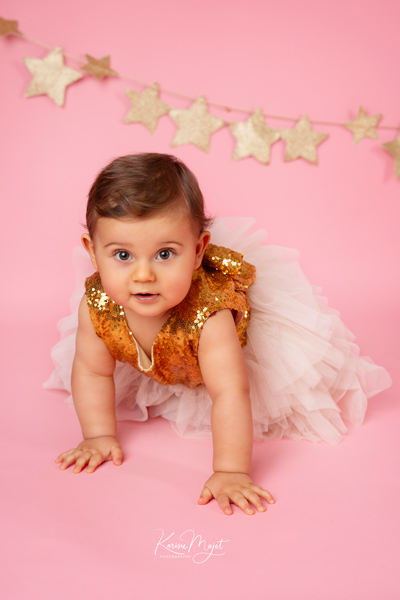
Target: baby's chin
x,y
149,306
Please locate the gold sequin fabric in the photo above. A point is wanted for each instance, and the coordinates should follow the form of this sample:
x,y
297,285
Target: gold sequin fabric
x,y
221,282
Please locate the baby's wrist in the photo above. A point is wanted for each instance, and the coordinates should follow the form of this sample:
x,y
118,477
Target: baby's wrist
x,y
88,438
233,471
95,434
232,464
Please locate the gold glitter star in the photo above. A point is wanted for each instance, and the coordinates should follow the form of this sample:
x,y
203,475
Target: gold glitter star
x,y
99,67
302,141
50,76
363,126
254,138
7,27
146,107
195,125
394,148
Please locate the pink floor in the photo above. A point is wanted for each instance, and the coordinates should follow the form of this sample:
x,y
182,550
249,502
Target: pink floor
x,y
334,530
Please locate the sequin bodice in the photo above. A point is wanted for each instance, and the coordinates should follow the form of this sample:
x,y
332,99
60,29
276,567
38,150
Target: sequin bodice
x,y
220,282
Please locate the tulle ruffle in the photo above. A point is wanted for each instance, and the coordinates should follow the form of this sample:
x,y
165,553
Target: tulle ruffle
x,y
306,375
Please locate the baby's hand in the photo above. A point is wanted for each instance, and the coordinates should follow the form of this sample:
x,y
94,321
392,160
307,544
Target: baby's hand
x,y
91,452
237,488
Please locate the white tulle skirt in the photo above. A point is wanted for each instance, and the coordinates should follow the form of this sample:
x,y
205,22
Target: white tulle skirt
x,y
306,375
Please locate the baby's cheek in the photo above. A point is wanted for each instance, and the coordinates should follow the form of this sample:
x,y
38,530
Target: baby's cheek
x,y
115,290
179,286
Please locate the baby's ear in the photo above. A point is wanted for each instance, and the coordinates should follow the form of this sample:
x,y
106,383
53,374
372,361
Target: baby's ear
x,y
89,247
202,243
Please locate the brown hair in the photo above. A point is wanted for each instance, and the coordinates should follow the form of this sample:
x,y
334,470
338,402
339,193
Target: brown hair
x,y
142,184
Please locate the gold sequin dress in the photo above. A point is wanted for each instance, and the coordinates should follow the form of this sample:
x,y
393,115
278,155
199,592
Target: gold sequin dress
x,y
221,282
306,375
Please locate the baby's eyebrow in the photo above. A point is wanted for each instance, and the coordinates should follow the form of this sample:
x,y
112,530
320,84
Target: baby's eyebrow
x,y
171,242
126,244
115,244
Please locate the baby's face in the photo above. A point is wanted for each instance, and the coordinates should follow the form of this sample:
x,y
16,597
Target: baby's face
x,y
146,265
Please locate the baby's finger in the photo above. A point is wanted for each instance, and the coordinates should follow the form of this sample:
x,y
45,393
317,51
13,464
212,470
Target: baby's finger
x,y
254,499
242,503
82,461
205,496
116,455
96,460
264,493
69,459
64,455
223,501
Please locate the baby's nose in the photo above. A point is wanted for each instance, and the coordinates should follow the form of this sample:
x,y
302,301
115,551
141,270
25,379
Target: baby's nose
x,y
143,272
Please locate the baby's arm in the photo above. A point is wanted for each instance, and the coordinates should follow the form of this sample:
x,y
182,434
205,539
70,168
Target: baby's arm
x,y
225,376
94,400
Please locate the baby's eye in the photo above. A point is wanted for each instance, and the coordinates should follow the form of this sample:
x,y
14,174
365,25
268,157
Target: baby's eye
x,y
165,254
122,255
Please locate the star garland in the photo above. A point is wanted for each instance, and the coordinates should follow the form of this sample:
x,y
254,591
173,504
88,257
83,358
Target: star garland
x,y
254,138
195,125
146,107
100,68
302,141
393,148
50,76
9,27
364,126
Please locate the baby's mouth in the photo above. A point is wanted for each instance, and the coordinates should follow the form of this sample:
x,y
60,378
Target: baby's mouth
x,y
145,297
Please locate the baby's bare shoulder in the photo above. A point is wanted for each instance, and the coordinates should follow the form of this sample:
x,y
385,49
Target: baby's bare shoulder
x,y
90,348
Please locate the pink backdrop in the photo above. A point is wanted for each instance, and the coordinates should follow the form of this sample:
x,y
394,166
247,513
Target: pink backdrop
x,y
334,530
